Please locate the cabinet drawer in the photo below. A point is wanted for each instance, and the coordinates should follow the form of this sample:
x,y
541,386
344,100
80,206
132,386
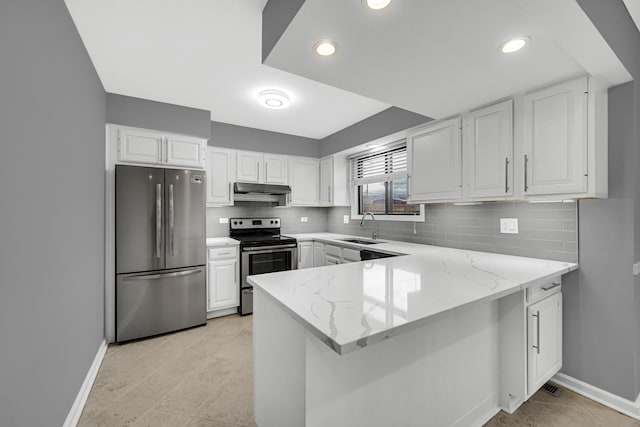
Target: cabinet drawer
x,y
543,290
350,255
222,252
335,251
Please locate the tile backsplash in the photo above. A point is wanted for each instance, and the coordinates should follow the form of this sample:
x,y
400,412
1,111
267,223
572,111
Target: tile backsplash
x,y
546,230
316,217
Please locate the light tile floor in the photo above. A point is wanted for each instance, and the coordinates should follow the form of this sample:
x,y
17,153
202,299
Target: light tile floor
x,y
203,377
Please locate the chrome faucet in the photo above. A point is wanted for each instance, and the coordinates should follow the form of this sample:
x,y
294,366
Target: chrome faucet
x,y
374,235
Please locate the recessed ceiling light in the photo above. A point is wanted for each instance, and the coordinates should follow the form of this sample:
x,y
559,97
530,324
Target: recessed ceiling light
x,y
325,47
274,99
377,4
514,44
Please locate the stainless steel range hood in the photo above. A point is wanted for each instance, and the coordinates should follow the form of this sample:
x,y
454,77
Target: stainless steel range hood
x,y
247,192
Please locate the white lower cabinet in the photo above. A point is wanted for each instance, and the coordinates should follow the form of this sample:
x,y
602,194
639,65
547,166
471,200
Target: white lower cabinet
x,y
223,285
350,255
305,255
544,341
319,258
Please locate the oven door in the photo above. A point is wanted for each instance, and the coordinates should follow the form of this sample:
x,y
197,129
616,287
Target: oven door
x,y
267,259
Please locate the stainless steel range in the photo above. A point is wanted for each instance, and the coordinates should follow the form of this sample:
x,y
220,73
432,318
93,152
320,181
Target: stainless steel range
x,y
262,250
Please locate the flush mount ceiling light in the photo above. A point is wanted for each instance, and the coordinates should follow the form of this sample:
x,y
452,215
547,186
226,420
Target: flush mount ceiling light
x,y
377,4
274,99
325,47
514,45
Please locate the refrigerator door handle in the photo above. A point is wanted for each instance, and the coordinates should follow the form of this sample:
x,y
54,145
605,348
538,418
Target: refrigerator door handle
x,y
163,275
158,220
171,218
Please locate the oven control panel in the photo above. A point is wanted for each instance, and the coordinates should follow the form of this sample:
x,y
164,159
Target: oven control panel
x,y
253,223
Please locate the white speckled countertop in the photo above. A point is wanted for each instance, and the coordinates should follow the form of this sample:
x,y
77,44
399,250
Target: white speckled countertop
x,y
353,305
222,241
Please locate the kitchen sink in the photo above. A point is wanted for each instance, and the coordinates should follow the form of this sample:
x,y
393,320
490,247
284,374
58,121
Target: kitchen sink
x,y
360,241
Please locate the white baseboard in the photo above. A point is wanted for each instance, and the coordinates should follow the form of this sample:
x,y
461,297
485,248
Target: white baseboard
x,y
78,405
627,407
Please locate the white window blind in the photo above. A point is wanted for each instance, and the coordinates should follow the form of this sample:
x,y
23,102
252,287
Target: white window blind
x,y
383,166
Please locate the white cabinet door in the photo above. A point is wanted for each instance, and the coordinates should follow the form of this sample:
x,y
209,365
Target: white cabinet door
x,y
139,146
185,151
248,166
318,255
544,339
326,181
275,169
305,254
219,163
435,162
488,151
331,260
555,144
222,284
303,179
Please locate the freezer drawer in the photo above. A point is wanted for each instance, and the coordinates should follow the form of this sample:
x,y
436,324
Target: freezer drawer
x,y
157,302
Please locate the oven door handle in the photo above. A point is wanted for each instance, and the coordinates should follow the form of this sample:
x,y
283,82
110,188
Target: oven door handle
x,y
270,248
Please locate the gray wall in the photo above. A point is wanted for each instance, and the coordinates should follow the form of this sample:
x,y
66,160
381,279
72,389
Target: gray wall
x,y
602,321
130,111
546,230
384,123
52,116
245,138
317,218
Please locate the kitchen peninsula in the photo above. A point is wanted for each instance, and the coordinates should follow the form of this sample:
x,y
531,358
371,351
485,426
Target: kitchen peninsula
x,y
437,337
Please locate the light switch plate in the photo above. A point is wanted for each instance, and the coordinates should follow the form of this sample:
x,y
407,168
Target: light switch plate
x,y
509,225
304,219
346,219
224,220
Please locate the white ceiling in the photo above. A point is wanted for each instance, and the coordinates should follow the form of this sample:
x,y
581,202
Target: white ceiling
x,y
440,57
633,6
436,57
206,54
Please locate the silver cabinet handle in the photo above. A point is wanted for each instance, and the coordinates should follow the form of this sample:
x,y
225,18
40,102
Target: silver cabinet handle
x,y
162,276
553,285
329,195
266,172
526,166
158,220
537,316
171,217
258,164
506,174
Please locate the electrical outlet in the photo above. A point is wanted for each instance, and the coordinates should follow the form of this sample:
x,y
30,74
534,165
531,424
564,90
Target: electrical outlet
x,y
346,219
224,220
509,225
304,219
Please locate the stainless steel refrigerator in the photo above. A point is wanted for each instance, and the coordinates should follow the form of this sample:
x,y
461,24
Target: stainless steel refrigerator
x,y
160,251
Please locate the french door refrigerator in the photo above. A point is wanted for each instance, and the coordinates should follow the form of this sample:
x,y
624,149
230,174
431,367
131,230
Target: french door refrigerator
x,y
160,251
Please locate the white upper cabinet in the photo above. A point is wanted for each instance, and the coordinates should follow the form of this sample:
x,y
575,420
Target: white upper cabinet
x,y
304,175
139,146
219,166
488,152
555,139
326,181
145,146
261,168
435,162
184,151
248,166
275,169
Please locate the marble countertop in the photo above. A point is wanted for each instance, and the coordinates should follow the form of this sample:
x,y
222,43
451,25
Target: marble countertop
x,y
221,241
350,306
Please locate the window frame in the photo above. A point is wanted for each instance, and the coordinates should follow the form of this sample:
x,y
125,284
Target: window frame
x,y
355,190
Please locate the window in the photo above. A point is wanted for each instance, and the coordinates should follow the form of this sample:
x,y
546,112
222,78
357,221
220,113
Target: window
x,y
381,185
